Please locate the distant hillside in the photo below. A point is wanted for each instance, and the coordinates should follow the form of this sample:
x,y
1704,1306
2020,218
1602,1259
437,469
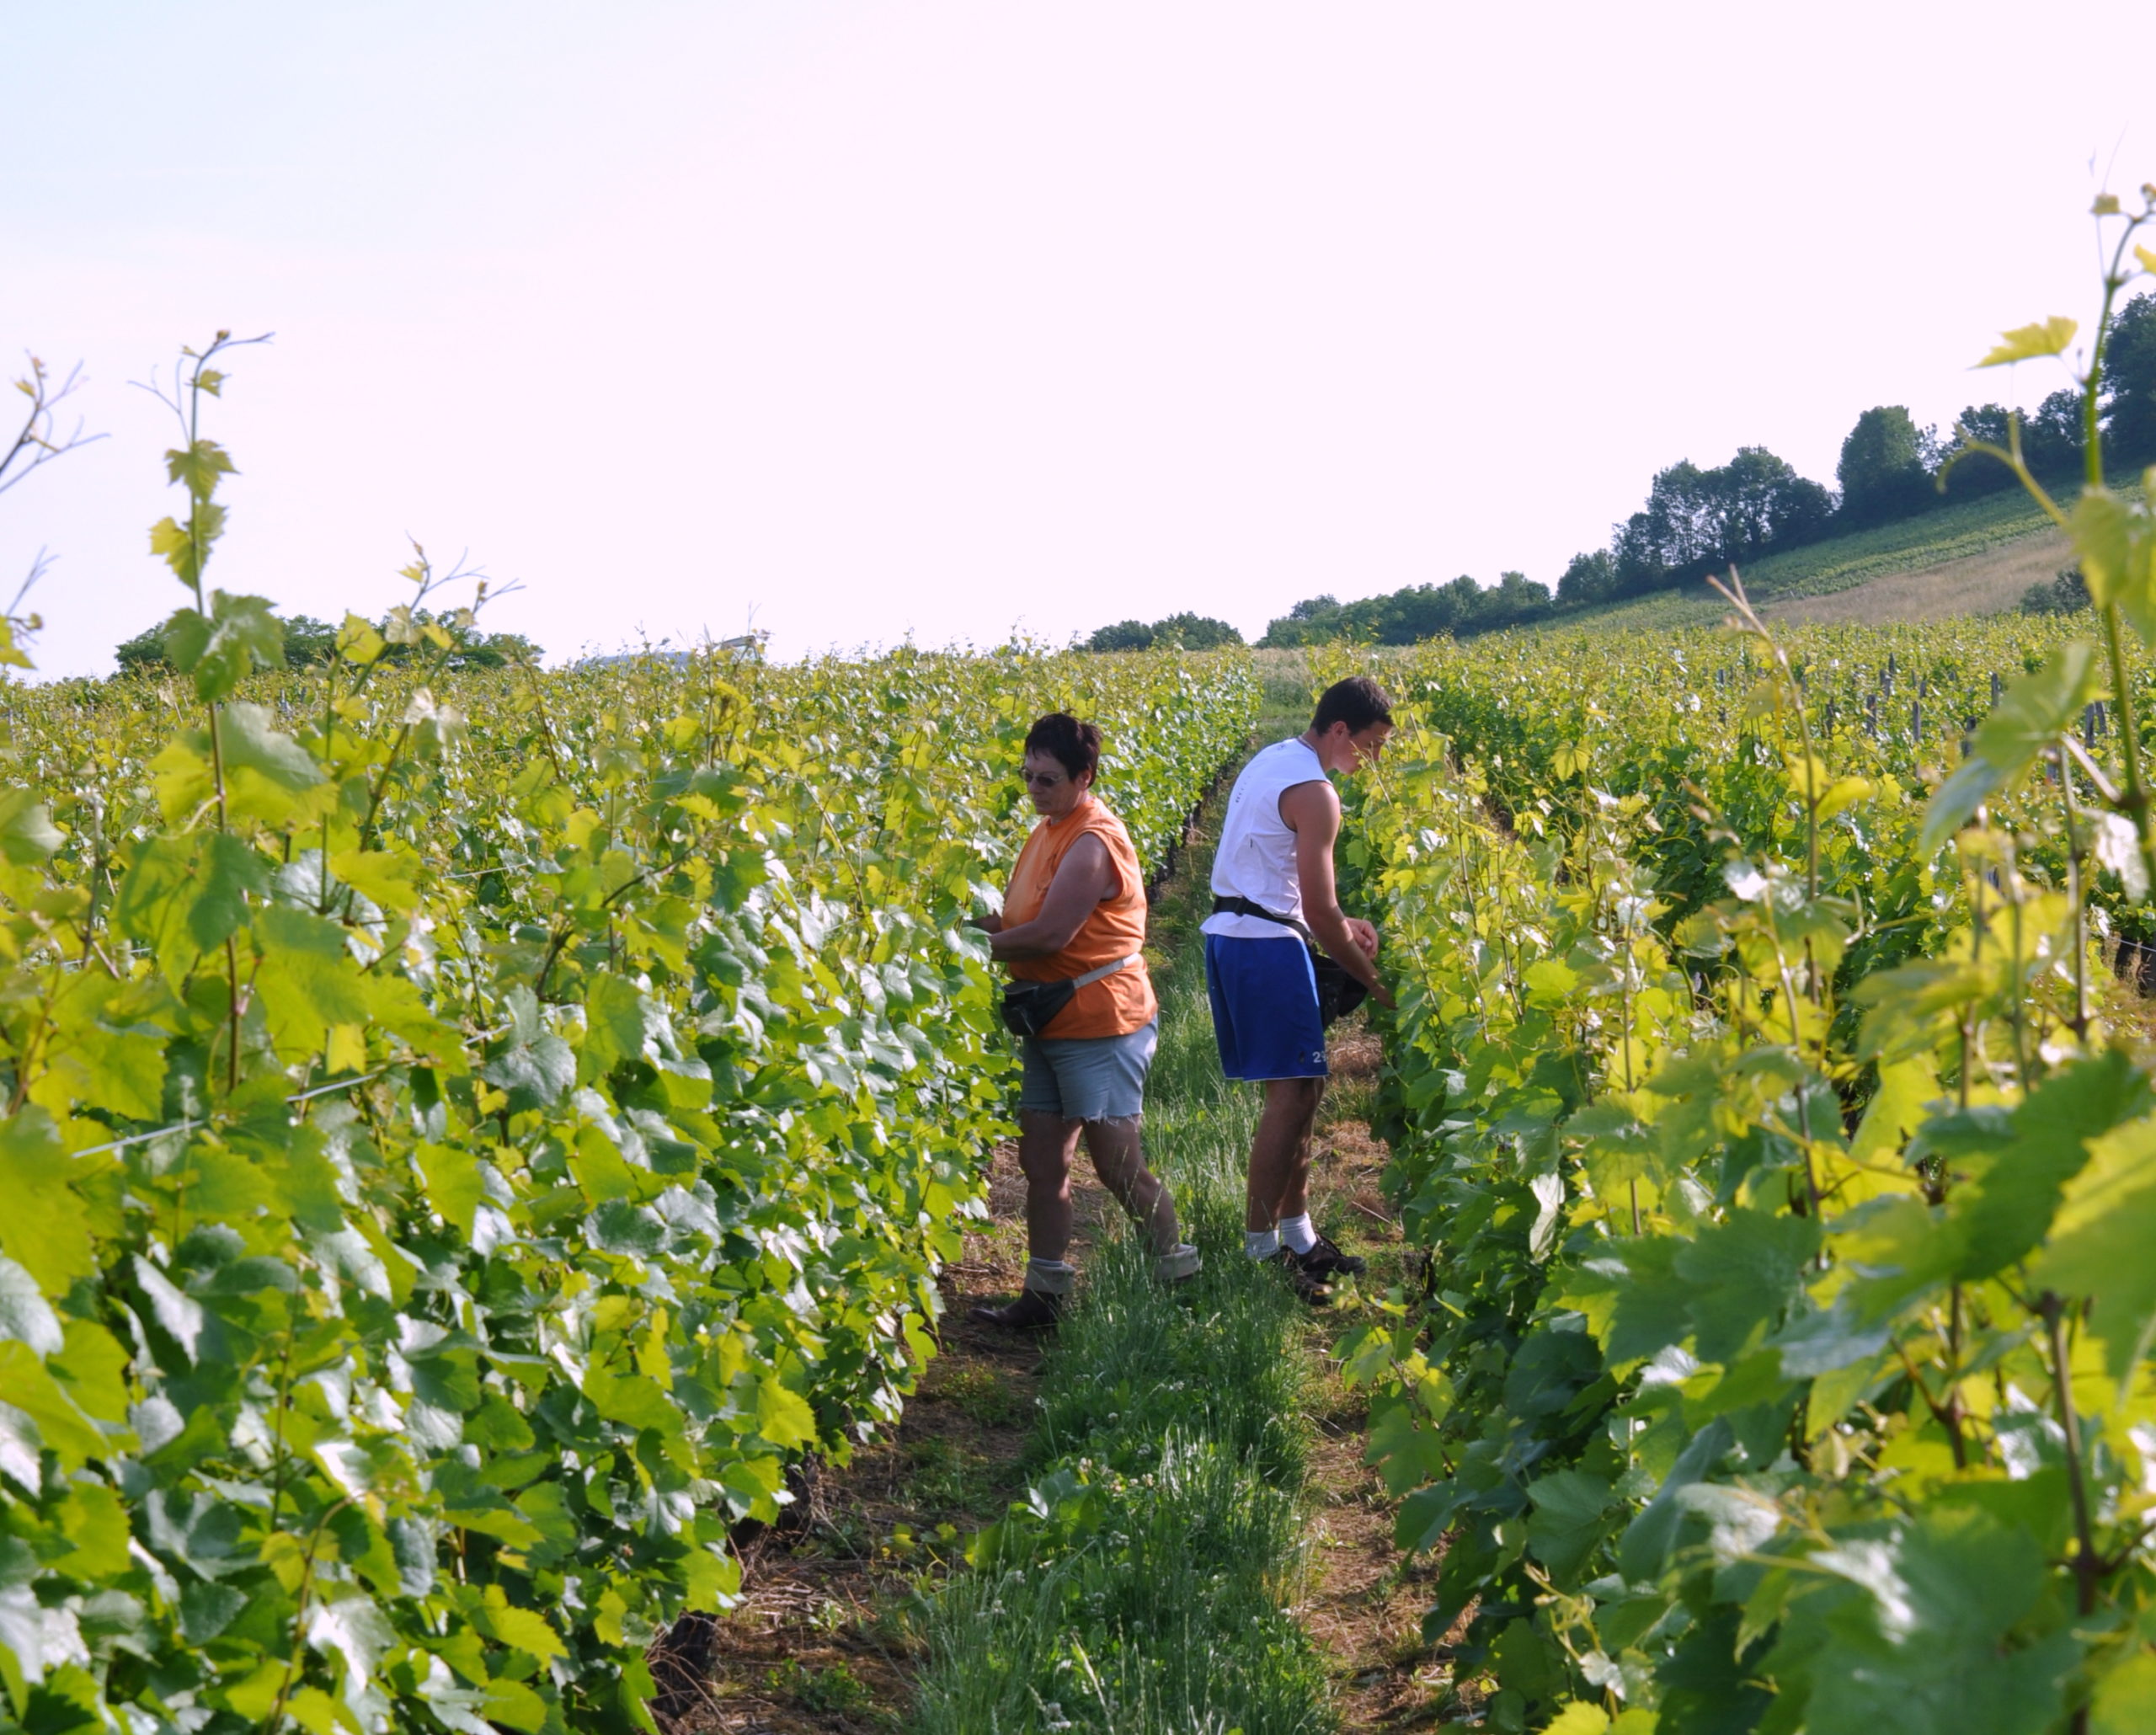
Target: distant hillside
x,y
1974,558
1904,503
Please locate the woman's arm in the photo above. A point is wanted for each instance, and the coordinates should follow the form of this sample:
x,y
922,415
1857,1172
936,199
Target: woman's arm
x,y
1083,878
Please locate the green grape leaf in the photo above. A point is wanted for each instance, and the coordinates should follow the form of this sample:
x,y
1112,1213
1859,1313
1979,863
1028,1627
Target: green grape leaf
x,y
200,463
2025,342
28,1385
46,1228
28,836
1567,1521
25,1315
352,1628
2124,1702
2031,714
1743,1274
524,1630
614,1026
185,547
2099,1249
2014,1172
95,1524
265,770
632,1399
782,1416
306,977
454,1185
93,1368
357,641
1927,1649
186,894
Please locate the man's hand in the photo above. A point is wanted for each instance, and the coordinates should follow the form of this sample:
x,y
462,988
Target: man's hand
x,y
990,923
1364,936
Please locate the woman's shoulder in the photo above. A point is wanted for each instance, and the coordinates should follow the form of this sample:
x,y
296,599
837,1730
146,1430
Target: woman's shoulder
x,y
1099,816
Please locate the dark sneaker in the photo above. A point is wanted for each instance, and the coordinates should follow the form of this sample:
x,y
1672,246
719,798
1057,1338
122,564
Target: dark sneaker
x,y
1034,1311
1306,1287
1326,1262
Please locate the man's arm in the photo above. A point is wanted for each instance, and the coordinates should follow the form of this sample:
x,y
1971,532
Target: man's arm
x,y
1083,878
1312,811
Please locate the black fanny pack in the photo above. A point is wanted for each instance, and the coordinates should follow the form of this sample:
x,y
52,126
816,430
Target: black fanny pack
x,y
1030,1007
1338,993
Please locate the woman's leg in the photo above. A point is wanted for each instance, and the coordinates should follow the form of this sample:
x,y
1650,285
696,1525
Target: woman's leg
x,y
1046,1144
1119,1159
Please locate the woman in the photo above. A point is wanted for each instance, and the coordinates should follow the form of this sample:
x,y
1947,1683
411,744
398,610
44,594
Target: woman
x,y
1075,912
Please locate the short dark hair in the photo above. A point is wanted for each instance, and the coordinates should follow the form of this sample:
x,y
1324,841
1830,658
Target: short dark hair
x,y
1359,702
1062,737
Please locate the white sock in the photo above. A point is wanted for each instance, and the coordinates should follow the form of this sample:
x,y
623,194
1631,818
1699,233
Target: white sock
x,y
1051,1277
1297,1233
1261,1243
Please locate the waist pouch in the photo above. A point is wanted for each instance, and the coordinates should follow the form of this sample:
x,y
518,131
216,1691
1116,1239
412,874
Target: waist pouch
x,y
1338,993
1030,1007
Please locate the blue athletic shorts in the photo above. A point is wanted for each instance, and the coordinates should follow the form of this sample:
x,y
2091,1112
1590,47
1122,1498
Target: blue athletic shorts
x,y
1265,1014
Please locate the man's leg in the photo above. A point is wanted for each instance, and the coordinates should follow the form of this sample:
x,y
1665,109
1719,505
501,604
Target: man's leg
x,y
1120,1159
1280,1156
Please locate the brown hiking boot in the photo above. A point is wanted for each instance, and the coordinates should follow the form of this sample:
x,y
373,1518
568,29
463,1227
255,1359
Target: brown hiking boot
x,y
1034,1310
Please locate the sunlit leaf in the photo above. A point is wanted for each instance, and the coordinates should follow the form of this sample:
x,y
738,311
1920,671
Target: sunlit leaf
x,y
2049,337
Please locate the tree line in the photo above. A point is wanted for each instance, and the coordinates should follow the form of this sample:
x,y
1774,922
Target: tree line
x,y
309,643
1183,632
1699,519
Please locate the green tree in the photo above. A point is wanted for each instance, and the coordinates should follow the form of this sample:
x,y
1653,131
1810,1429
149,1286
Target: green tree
x,y
1195,631
1982,423
1882,472
2130,370
309,643
144,653
2051,436
1124,635
1589,577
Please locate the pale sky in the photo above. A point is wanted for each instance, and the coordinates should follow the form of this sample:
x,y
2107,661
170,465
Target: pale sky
x,y
859,320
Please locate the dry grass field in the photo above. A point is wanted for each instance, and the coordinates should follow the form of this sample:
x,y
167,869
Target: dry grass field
x,y
1988,582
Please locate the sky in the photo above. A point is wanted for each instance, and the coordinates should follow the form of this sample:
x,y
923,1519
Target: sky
x,y
854,322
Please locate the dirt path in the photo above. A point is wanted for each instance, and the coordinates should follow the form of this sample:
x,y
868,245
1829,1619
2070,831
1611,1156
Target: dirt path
x,y
1366,1600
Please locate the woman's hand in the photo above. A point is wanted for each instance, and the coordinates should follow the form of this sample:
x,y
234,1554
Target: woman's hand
x,y
1363,935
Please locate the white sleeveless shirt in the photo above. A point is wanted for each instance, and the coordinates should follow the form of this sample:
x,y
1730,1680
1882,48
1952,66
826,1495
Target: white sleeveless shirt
x,y
1257,857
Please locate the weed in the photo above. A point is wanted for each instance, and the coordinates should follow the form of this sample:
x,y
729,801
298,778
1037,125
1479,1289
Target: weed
x,y
829,1688
946,1477
981,1395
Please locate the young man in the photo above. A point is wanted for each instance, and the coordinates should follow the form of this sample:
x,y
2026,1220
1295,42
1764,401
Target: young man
x,y
1276,856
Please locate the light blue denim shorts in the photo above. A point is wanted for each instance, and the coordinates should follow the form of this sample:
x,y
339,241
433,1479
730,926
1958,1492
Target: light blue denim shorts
x,y
1088,1077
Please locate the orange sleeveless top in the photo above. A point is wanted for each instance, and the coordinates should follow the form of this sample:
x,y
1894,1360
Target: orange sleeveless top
x,y
1116,1005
